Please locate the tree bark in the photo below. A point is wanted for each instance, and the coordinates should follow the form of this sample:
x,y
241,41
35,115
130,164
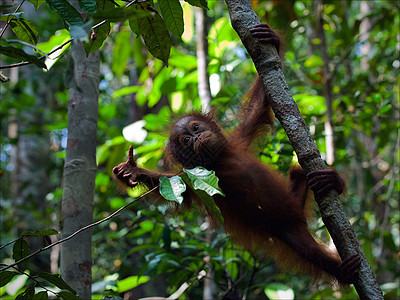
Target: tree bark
x,y
269,68
80,170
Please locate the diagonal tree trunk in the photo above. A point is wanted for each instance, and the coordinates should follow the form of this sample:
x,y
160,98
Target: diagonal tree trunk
x,y
269,68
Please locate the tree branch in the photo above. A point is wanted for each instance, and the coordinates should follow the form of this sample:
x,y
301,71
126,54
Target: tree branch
x,y
270,71
77,232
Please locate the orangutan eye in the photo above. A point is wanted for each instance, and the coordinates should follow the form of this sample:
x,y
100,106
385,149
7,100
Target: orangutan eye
x,y
186,140
196,127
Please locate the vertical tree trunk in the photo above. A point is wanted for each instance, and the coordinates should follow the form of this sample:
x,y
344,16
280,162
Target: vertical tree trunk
x,y
202,52
327,83
80,171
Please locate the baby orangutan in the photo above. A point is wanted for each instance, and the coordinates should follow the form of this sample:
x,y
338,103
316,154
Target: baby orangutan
x,y
262,210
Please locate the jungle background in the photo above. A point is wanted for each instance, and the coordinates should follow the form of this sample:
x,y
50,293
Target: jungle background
x,y
342,67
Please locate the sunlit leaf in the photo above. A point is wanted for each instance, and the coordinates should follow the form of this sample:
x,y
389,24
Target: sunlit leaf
x,y
23,29
16,284
6,276
125,91
121,52
205,185
314,61
385,109
131,282
204,180
172,188
58,38
279,291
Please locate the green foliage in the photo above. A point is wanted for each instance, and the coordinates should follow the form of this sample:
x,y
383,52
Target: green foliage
x,y
21,54
172,13
23,29
155,33
203,182
67,12
147,247
278,291
172,188
40,233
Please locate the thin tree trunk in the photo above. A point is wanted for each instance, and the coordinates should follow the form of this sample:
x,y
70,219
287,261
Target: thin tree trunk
x,y
80,171
269,68
327,84
201,52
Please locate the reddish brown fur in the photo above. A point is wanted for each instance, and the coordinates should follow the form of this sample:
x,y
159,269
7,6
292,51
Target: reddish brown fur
x,y
263,211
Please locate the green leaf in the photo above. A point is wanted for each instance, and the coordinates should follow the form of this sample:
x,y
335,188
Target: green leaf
x,y
21,54
278,291
172,13
68,296
59,37
204,183
198,3
6,276
172,188
131,282
166,237
125,91
41,296
134,25
204,180
23,29
27,294
66,11
310,104
314,61
385,109
101,34
37,3
43,232
56,280
88,6
20,249
231,263
155,34
121,52
147,225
